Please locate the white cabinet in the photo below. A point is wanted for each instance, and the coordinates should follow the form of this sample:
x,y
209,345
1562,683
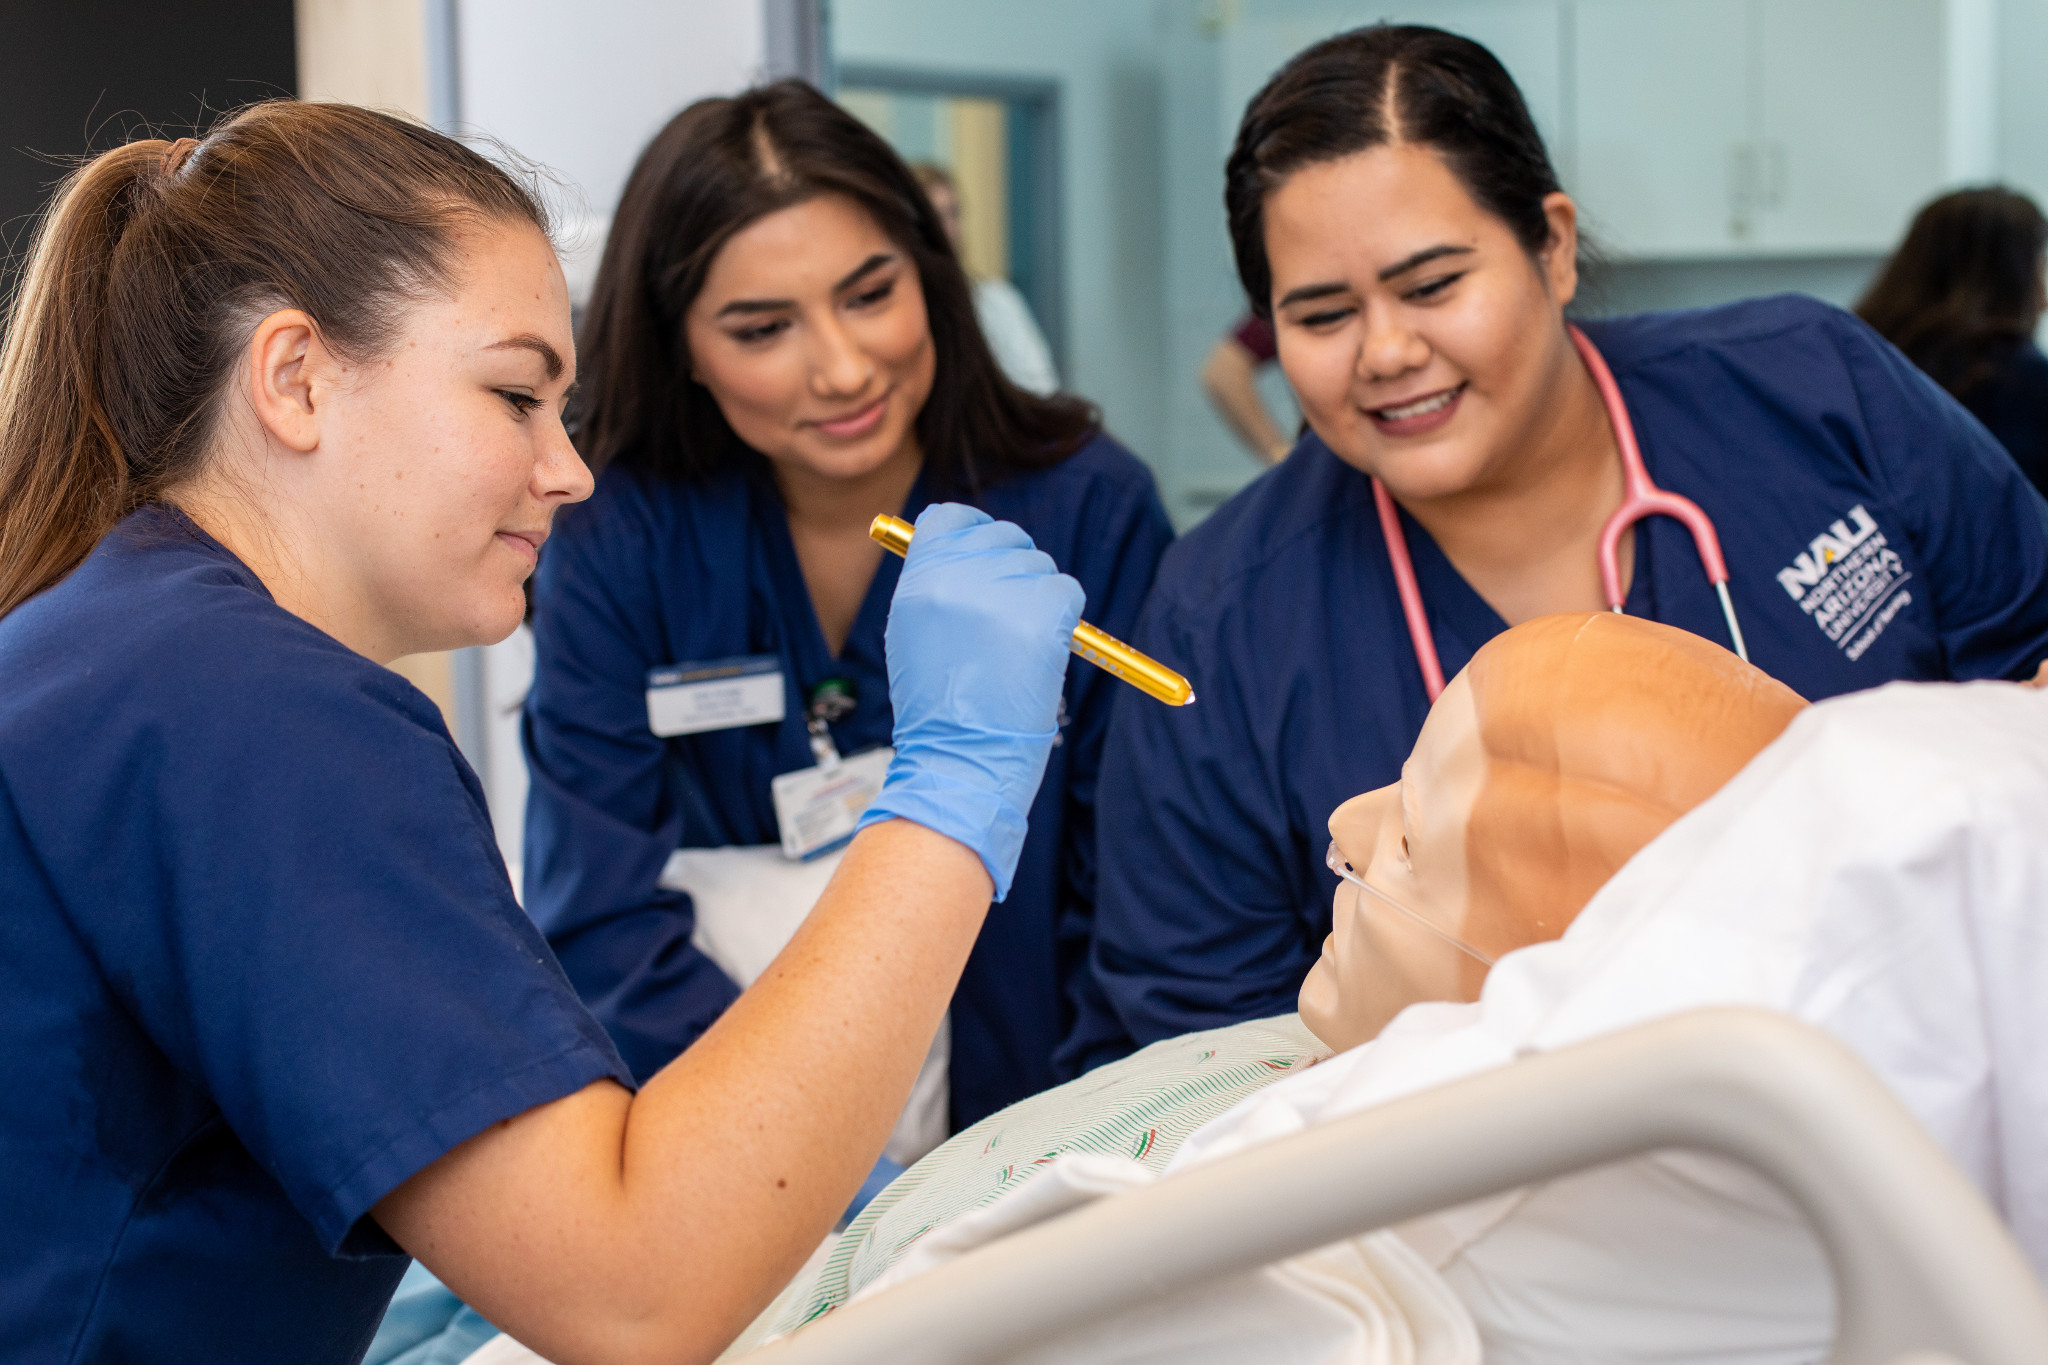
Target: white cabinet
x,y
1659,113
1852,111
1737,127
1700,128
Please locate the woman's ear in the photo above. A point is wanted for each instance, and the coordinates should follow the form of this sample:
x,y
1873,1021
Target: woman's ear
x,y
287,390
1560,256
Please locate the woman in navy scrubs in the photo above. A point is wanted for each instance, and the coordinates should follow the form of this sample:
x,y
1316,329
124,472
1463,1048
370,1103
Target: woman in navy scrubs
x,y
1392,208
781,344
276,407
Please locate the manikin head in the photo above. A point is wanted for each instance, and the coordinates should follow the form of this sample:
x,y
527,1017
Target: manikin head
x,y
1566,745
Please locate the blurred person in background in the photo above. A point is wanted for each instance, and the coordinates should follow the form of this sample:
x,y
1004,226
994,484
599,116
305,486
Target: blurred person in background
x,y
1230,376
1006,320
1961,298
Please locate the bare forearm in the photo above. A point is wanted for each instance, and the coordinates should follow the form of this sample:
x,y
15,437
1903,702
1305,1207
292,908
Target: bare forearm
x,y
801,1081
1230,377
668,1219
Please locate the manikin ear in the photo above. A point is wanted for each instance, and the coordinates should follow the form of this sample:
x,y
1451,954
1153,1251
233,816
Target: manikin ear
x,y
1559,258
290,373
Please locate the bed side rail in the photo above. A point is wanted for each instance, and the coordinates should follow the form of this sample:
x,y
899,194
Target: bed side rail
x,y
1923,1268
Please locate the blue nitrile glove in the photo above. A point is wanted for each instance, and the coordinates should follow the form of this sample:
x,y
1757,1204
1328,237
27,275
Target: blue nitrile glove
x,y
977,647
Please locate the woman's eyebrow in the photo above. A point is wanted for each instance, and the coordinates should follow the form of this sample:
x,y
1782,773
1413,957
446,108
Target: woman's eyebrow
x,y
865,268
1401,267
527,341
1422,257
1310,291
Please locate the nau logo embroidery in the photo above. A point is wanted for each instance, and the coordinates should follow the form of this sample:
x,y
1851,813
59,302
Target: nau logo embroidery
x,y
1850,581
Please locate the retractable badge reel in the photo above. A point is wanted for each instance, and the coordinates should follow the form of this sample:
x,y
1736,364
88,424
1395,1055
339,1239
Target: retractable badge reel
x,y
817,808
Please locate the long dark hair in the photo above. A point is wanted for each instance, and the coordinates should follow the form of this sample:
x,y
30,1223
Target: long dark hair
x,y
156,259
1373,86
1965,285
718,166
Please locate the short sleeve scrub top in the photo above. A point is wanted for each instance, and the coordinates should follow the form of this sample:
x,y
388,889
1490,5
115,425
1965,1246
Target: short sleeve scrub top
x,y
260,962
653,573
1873,531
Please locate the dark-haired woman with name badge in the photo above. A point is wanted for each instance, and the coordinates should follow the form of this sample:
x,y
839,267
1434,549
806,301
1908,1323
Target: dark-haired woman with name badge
x,y
780,346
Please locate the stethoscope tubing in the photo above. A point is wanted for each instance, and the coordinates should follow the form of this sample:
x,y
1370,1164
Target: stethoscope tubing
x,y
1641,498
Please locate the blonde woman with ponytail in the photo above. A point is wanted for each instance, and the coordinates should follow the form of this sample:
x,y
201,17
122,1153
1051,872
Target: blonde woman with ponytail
x,y
277,406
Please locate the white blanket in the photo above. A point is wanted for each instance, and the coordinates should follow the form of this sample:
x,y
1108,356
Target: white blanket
x,y
1881,872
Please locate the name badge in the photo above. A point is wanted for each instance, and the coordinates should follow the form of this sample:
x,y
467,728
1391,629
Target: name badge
x,y
688,699
817,808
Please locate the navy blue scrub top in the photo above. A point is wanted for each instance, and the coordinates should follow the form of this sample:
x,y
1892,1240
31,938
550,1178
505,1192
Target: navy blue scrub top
x,y
653,572
1802,434
259,963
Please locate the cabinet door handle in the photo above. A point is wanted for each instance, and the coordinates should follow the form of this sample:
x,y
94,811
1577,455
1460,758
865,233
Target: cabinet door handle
x,y
1774,159
1742,188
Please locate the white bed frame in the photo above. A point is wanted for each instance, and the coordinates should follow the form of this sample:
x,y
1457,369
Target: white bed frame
x,y
1925,1273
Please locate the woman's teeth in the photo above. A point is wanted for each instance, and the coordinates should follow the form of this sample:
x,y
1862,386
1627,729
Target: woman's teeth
x,y
1419,407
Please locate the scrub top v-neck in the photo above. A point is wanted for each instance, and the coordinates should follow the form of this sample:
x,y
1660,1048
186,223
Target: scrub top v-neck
x,y
259,964
653,573
1873,531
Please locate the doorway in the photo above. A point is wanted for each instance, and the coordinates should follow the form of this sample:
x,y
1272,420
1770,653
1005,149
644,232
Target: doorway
x,y
998,137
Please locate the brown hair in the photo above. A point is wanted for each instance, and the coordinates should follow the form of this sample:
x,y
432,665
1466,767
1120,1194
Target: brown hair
x,y
718,166
1377,85
1964,286
156,259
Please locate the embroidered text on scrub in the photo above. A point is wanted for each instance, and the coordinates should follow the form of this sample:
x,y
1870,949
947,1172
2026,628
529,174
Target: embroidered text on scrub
x,y
1337,863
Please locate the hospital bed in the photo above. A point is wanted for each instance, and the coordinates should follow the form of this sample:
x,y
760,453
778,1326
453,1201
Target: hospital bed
x,y
1925,1274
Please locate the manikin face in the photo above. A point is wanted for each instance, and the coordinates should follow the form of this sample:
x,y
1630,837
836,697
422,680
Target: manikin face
x,y
1419,334
452,458
1565,747
811,334
1407,841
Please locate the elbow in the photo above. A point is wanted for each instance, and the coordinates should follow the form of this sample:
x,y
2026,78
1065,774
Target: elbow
x,y
1216,373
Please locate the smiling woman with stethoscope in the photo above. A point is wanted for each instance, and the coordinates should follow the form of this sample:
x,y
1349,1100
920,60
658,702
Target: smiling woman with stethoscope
x,y
1474,461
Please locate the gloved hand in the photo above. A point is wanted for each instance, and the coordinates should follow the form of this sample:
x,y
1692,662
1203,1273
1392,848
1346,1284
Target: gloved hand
x,y
977,648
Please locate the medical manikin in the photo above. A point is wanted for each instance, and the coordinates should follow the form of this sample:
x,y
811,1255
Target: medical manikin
x,y
1876,871
1567,745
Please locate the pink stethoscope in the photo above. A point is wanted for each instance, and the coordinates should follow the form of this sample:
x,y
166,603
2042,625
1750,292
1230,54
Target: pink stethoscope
x,y
1643,499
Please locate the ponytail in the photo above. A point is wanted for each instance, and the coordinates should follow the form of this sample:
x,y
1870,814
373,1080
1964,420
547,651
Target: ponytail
x,y
63,482
153,265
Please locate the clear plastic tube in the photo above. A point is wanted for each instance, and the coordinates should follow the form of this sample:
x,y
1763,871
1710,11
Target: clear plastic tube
x,y
1338,864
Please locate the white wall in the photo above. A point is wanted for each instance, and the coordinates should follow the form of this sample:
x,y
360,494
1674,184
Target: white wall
x,y
579,89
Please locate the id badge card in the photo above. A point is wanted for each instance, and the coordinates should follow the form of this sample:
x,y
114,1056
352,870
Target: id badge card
x,y
719,694
817,808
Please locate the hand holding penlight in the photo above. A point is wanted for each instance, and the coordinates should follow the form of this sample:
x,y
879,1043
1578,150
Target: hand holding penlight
x,y
1103,650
